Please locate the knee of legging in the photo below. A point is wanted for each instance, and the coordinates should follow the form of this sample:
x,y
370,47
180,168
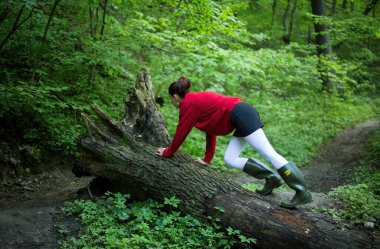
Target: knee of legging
x,y
229,160
268,155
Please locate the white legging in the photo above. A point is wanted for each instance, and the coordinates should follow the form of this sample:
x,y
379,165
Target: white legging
x,y
259,142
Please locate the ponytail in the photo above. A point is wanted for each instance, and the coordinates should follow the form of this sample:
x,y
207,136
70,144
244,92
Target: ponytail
x,y
180,87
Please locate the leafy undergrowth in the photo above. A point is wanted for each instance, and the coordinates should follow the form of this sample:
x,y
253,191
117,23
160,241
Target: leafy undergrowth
x,y
110,223
359,203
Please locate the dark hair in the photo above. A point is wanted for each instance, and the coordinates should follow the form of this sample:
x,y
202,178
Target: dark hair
x,y
180,87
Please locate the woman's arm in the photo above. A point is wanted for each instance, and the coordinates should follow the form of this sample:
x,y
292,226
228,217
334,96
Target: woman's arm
x,y
210,148
187,118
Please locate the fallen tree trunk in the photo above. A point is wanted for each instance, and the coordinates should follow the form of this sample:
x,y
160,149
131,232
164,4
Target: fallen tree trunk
x,y
123,153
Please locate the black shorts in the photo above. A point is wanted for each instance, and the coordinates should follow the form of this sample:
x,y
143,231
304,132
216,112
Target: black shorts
x,y
245,119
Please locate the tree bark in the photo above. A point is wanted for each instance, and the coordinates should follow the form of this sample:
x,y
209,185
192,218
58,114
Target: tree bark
x,y
321,30
322,40
123,153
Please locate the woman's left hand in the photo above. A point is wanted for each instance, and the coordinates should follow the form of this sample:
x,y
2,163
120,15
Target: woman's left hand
x,y
160,151
201,161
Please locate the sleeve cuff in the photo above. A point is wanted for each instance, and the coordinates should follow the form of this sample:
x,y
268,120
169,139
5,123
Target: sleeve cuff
x,y
166,153
207,160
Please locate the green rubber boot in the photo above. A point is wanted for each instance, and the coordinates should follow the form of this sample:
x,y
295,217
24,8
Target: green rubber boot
x,y
259,170
294,179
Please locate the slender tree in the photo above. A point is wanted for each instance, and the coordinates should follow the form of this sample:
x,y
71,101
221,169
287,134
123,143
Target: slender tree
x,y
44,40
344,4
322,39
104,7
292,18
333,7
274,8
16,24
288,27
371,6
4,14
285,22
94,23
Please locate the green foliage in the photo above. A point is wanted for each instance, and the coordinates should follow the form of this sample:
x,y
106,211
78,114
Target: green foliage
x,y
111,223
360,202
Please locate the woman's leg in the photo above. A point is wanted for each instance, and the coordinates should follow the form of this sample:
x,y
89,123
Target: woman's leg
x,y
250,166
234,148
260,143
287,170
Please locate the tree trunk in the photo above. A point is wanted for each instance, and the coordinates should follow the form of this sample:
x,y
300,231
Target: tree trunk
x,y
344,4
4,14
93,32
322,40
285,23
103,17
292,18
333,7
321,30
16,25
274,7
370,7
123,153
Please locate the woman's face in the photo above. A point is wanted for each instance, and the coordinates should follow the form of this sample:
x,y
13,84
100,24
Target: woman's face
x,y
175,99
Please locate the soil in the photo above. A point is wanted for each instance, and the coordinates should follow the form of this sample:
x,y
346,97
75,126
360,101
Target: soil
x,y
30,208
29,205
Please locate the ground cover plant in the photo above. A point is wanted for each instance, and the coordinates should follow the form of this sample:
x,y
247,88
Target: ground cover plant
x,y
111,223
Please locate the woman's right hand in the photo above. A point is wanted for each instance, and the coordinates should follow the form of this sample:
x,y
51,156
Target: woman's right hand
x,y
160,151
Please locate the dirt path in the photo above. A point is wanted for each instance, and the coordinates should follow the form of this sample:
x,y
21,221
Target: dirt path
x,y
338,157
29,206
29,209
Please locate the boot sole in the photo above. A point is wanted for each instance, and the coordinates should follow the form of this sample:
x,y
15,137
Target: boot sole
x,y
293,206
270,190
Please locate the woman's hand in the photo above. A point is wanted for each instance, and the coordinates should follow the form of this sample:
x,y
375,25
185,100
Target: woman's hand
x,y
201,161
160,151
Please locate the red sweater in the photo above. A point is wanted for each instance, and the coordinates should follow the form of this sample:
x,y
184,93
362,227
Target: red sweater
x,y
207,111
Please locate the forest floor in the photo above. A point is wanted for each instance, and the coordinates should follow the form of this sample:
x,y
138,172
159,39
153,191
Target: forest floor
x,y
29,206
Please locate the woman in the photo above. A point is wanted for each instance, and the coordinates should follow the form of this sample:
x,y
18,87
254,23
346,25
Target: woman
x,y
219,115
